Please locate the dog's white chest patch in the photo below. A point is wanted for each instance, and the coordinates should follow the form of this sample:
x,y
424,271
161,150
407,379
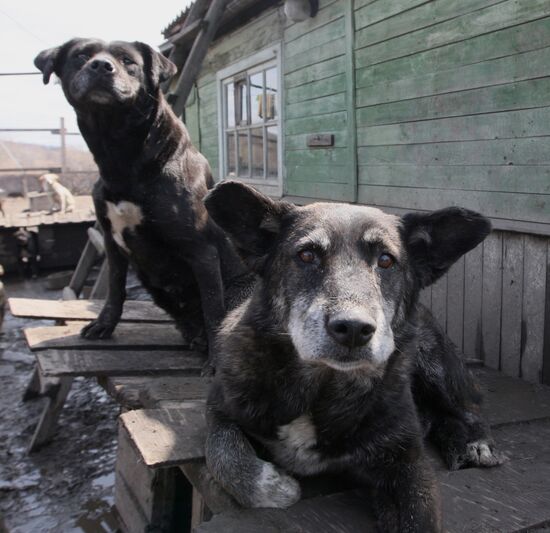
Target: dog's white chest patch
x,y
295,447
124,215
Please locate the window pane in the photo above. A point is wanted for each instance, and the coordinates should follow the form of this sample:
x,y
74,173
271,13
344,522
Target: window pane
x,y
271,85
230,104
272,152
244,166
257,142
230,155
241,104
256,97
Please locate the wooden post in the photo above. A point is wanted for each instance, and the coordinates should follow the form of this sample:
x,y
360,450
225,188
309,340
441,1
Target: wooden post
x,y
195,58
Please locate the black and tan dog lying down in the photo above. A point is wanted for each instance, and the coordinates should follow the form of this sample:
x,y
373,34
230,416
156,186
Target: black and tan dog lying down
x,y
331,365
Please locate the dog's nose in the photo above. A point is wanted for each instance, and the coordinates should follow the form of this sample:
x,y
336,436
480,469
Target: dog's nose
x,y
102,65
350,331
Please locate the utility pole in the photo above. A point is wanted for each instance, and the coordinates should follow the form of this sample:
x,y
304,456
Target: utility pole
x,y
62,133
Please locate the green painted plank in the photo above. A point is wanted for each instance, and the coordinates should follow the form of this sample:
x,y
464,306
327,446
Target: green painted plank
x,y
362,3
426,15
515,68
299,141
208,122
325,69
322,191
329,50
316,89
331,31
379,11
329,122
530,151
506,125
521,95
316,106
298,34
505,178
492,18
521,38
509,206
318,156
317,173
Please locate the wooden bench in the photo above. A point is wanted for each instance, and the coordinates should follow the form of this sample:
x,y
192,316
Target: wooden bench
x,y
162,481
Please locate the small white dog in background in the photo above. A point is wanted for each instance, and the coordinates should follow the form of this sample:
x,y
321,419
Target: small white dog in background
x,y
63,200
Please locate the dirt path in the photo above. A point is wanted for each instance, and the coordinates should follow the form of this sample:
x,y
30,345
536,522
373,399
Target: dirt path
x,y
68,486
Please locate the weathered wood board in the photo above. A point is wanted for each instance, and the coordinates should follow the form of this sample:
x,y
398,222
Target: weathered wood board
x,y
134,311
146,392
118,362
167,437
126,335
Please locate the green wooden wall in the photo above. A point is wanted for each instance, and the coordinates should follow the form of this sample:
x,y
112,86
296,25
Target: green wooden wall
x,y
453,102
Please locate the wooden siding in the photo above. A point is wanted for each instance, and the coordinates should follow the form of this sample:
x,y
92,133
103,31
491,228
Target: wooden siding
x,y
319,98
492,303
453,102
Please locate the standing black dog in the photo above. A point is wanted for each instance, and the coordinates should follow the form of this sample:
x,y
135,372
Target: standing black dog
x,y
321,367
149,196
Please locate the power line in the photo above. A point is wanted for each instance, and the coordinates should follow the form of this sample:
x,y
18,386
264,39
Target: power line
x,y
20,73
24,28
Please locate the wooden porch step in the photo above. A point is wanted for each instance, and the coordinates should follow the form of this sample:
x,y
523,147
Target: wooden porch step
x,y
119,362
134,311
126,335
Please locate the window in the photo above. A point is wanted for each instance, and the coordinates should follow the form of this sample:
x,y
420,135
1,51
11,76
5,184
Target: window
x,y
250,133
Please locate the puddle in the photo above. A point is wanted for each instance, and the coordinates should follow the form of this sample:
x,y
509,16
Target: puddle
x,y
68,486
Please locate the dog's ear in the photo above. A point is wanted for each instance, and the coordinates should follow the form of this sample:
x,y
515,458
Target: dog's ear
x,y
45,62
160,68
436,240
251,219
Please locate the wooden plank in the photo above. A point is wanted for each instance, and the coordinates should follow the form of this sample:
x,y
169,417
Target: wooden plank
x,y
306,58
509,498
325,123
523,37
507,125
118,362
546,343
298,35
126,335
318,174
507,97
134,311
166,437
426,15
491,309
535,264
526,151
379,11
504,205
512,296
533,179
320,191
318,156
473,295
455,303
316,89
515,68
316,106
147,392
496,16
318,71
299,141
510,400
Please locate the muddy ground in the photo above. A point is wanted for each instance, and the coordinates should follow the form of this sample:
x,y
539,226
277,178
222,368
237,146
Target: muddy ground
x,y
68,486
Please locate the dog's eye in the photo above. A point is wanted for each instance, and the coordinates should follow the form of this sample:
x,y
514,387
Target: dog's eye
x,y
307,256
385,261
83,57
127,61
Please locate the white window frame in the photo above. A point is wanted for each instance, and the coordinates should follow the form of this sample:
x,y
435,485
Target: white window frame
x,y
270,186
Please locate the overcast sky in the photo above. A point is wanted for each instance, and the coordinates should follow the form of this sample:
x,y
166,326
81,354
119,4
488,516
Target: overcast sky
x,y
29,26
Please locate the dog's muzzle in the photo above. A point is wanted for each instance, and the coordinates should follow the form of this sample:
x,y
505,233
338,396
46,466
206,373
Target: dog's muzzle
x,y
350,330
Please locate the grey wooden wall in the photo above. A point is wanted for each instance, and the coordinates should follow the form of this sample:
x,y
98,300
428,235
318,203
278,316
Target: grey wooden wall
x,y
492,303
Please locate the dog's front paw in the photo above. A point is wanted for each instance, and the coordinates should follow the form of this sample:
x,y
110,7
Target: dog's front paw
x,y
98,329
274,489
479,453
